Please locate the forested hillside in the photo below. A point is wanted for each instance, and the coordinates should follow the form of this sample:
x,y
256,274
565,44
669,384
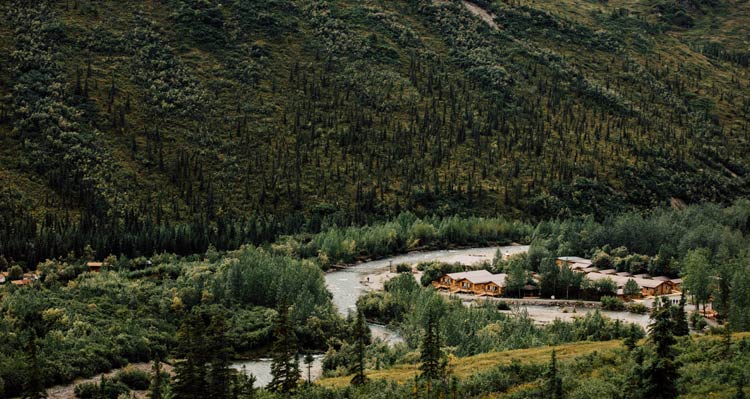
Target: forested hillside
x,y
170,125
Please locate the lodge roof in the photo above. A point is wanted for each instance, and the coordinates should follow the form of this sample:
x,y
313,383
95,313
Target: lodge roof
x,y
574,259
479,277
620,281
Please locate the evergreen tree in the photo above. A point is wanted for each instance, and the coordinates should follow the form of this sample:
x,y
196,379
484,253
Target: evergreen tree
x,y
631,289
285,365
34,387
432,366
157,384
661,376
218,376
679,316
190,371
634,334
243,385
361,337
739,311
553,388
637,375
727,342
309,359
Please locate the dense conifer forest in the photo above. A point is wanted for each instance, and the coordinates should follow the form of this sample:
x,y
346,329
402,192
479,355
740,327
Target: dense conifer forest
x,y
219,157
172,125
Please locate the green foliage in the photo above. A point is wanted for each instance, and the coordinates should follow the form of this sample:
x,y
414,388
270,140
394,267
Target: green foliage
x,y
553,387
105,389
516,279
135,379
612,303
201,20
80,326
432,365
637,308
285,367
661,371
631,289
403,268
15,273
169,89
475,329
697,275
158,381
199,122
361,336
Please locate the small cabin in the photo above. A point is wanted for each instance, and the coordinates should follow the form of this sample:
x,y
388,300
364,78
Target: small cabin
x,y
655,287
95,267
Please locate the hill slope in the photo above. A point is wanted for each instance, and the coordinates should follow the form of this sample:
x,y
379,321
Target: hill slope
x,y
588,370
174,124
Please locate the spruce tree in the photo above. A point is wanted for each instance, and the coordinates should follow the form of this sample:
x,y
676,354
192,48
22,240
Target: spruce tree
x,y
553,388
679,316
431,355
218,376
34,387
637,375
661,376
285,365
631,340
243,385
155,390
360,335
190,376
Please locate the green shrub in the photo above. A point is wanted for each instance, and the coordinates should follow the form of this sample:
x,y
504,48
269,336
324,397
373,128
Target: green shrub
x,y
105,389
637,308
403,268
612,303
134,379
88,390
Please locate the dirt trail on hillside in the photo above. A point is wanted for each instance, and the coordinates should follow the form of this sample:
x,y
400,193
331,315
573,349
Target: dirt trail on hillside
x,y
474,9
481,13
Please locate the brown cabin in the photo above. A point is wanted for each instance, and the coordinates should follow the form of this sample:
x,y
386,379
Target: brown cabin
x,y
95,267
477,282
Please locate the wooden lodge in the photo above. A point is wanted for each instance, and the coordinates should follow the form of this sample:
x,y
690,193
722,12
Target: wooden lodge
x,y
477,282
656,286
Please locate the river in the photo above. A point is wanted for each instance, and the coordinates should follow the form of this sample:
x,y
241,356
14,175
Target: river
x,y
346,285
